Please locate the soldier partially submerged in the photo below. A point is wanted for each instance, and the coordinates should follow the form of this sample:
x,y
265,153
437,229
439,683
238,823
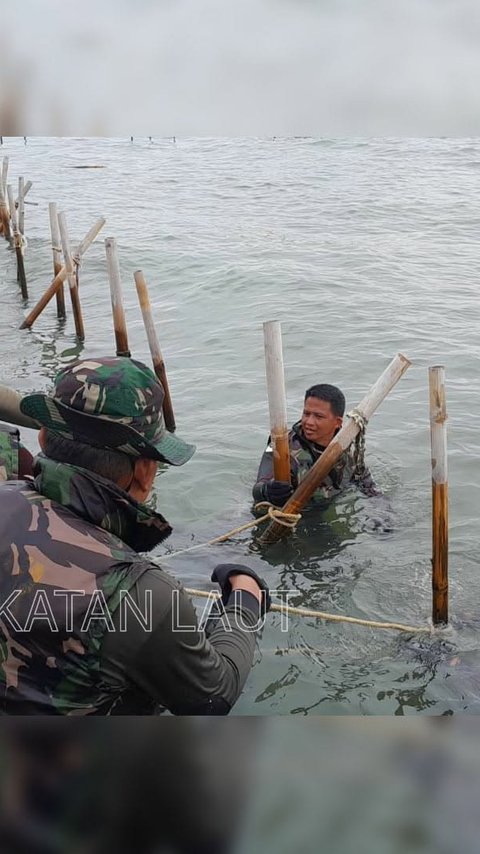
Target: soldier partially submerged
x,y
70,537
321,419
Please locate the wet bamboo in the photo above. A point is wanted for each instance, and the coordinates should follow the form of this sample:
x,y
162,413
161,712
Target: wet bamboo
x,y
62,275
17,242
4,215
156,353
5,175
21,205
337,446
10,409
57,257
277,401
28,186
119,324
438,437
71,277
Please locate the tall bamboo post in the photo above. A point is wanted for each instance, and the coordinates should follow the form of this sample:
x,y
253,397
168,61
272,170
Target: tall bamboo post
x,y
277,401
119,324
156,353
438,438
17,242
21,205
71,278
5,174
337,446
57,257
4,215
62,275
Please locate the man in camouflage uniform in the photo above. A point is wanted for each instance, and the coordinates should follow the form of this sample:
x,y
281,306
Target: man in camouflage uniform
x,y
69,565
15,461
322,418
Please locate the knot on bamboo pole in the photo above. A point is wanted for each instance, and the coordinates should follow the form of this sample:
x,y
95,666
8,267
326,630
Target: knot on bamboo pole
x,y
288,520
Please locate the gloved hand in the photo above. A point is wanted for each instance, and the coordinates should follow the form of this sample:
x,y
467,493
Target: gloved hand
x,y
224,571
277,491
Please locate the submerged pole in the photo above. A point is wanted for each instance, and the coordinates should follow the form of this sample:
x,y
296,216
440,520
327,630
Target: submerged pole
x,y
156,353
277,401
119,323
438,438
17,242
57,258
337,446
71,277
62,275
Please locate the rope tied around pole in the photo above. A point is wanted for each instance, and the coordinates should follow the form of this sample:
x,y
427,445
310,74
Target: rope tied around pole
x,y
357,451
287,519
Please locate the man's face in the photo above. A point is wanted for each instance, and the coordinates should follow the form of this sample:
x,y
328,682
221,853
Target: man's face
x,y
318,421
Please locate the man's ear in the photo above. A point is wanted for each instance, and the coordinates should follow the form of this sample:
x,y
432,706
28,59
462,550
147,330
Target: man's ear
x,y
339,421
144,472
41,438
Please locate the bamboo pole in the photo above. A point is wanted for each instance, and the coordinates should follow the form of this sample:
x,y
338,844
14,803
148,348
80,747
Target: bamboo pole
x,y
62,275
57,257
17,242
10,409
5,174
4,215
71,278
119,324
438,437
337,446
156,353
277,402
28,186
21,205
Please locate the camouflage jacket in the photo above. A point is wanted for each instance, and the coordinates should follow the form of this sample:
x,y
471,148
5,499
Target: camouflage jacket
x,y
303,454
15,460
68,555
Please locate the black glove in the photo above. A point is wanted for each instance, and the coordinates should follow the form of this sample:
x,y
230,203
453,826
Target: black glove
x,y
277,492
222,574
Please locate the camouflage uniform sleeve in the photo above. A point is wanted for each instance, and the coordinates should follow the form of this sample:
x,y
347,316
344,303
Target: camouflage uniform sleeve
x,y
175,663
265,472
366,483
15,461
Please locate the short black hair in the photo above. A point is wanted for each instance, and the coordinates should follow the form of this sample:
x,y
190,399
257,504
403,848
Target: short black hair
x,y
331,394
112,465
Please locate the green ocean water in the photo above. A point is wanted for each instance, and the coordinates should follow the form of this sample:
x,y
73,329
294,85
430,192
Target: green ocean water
x,y
362,248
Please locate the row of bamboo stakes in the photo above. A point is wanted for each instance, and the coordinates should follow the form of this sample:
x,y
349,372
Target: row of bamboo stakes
x,y
438,436
66,263
68,271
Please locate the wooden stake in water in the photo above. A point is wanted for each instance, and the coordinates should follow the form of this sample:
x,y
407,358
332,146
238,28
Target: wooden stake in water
x,y
21,205
4,215
5,175
62,275
71,277
337,446
438,437
57,258
156,353
277,401
119,324
17,242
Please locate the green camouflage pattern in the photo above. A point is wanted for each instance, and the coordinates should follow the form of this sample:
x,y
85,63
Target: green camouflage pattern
x,y
9,452
303,455
113,402
69,530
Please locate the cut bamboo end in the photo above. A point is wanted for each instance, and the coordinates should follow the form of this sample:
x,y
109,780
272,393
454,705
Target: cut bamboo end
x,y
155,351
277,402
119,322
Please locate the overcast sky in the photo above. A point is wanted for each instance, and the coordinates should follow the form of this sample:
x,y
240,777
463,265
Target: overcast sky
x,y
241,67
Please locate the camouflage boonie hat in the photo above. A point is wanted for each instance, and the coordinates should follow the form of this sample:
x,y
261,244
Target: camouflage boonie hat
x,y
112,403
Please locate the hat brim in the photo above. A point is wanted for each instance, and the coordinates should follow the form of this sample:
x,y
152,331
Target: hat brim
x,y
104,433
